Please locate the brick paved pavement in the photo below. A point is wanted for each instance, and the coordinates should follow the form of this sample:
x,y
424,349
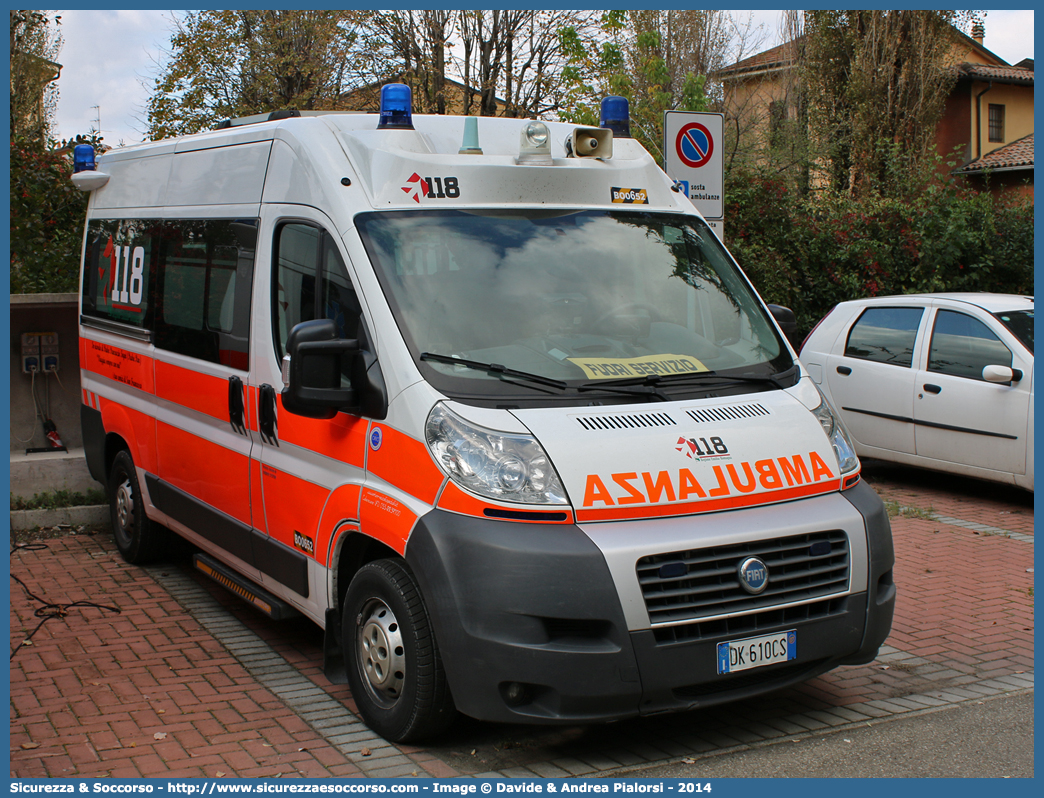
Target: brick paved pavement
x,y
187,681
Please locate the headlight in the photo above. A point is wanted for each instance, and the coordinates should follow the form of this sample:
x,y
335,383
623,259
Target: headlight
x,y
837,435
498,465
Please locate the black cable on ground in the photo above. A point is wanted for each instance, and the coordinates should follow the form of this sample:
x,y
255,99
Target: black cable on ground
x,y
48,610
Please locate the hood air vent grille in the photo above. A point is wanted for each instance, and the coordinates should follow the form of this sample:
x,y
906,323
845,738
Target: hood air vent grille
x,y
706,415
626,421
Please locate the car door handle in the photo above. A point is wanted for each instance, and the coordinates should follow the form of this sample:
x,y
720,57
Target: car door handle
x,y
266,413
932,388
235,405
845,370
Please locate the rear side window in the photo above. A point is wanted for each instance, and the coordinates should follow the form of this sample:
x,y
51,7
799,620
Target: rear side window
x,y
885,335
962,346
183,283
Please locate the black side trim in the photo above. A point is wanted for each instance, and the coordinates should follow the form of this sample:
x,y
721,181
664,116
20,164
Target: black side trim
x,y
932,424
93,431
280,562
217,527
286,566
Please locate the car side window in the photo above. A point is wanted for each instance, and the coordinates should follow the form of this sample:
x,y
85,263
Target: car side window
x,y
186,282
885,335
962,346
311,282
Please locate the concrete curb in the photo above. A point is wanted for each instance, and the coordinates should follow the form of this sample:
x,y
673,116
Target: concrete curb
x,y
94,514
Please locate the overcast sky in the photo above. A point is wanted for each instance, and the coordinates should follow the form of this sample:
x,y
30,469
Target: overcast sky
x,y
110,60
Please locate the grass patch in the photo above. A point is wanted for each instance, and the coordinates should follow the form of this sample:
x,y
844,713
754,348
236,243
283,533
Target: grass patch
x,y
53,499
895,509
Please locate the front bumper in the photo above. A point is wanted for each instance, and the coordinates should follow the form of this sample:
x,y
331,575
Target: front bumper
x,y
539,623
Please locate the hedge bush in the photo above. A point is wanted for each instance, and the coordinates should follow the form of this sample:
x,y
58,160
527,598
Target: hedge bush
x,y
47,216
810,252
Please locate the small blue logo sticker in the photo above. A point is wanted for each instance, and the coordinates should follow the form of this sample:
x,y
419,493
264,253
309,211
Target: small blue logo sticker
x,y
375,438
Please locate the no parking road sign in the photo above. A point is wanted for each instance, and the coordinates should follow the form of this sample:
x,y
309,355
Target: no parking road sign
x,y
693,154
694,145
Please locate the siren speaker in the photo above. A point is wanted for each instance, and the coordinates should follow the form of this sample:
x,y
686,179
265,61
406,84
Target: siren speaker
x,y
590,142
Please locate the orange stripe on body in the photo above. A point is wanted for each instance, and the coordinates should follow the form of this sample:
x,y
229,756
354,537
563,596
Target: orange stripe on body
x,y
291,503
213,474
201,392
136,428
456,500
406,463
343,505
385,519
120,365
708,506
342,437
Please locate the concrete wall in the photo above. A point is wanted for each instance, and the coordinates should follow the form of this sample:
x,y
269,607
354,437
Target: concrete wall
x,y
60,393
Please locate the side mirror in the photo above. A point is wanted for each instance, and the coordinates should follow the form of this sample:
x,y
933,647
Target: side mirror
x,y
787,322
1001,374
312,370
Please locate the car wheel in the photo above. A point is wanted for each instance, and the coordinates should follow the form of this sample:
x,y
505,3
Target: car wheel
x,y
137,538
392,658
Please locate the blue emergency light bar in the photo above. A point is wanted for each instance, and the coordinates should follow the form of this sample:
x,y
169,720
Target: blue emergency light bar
x,y
396,107
83,158
616,116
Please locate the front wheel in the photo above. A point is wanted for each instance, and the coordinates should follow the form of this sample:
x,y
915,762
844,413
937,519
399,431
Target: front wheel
x,y
393,662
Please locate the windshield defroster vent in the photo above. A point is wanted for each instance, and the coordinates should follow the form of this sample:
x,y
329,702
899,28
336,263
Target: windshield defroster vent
x,y
626,421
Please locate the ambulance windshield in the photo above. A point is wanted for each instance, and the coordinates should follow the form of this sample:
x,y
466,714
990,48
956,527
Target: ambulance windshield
x,y
570,297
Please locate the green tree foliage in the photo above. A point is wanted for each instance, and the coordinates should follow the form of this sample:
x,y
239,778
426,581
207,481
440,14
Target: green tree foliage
x,y
810,252
875,83
47,215
46,211
35,45
658,60
226,64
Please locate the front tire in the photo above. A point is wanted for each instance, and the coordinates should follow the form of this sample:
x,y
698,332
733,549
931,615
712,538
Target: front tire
x,y
139,540
392,658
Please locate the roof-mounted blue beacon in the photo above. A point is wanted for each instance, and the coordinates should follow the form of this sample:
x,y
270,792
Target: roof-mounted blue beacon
x,y
396,107
616,116
83,158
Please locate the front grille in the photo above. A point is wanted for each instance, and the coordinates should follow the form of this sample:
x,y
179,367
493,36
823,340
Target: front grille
x,y
738,626
703,583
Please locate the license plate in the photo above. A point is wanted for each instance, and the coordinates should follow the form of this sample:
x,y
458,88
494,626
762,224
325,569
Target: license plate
x,y
739,655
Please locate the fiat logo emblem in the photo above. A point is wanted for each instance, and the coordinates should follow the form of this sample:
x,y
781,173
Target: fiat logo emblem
x,y
753,575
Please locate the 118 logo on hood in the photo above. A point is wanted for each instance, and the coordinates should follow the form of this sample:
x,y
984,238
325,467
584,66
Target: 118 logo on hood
x,y
701,449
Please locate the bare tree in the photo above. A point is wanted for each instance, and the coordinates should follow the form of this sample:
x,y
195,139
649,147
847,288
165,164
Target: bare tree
x,y
413,47
876,84
514,59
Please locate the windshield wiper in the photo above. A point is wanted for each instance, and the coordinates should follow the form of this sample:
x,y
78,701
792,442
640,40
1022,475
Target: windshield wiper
x,y
496,370
646,388
652,380
774,379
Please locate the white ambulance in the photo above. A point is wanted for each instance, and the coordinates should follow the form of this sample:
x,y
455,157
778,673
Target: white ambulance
x,y
487,400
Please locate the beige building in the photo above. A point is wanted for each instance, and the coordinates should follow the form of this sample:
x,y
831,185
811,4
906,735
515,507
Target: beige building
x,y
990,109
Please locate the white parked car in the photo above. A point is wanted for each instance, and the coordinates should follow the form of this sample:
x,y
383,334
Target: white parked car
x,y
940,381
